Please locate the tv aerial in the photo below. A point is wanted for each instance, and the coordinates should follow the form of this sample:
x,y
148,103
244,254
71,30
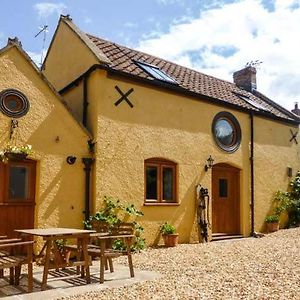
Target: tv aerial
x,y
44,31
253,63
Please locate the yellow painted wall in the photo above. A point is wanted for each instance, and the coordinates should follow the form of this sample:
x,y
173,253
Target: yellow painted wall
x,y
59,186
62,67
164,125
273,154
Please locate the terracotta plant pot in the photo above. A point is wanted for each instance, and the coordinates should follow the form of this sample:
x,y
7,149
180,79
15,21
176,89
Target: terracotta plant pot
x,y
272,227
170,240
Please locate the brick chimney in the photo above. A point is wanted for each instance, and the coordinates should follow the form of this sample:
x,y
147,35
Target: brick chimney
x,y
296,110
245,78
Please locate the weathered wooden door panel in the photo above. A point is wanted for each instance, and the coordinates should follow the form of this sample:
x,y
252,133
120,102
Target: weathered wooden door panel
x,y
225,199
17,196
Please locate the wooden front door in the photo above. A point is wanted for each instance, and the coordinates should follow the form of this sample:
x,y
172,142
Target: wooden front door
x,y
225,199
17,196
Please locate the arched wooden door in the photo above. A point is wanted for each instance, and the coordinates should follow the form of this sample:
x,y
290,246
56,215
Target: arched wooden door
x,y
17,196
225,199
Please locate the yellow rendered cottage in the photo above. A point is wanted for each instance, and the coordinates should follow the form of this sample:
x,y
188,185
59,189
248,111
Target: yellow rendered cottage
x,y
201,153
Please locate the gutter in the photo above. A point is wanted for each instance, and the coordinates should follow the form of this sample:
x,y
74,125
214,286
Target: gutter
x,y
252,171
85,100
175,88
88,162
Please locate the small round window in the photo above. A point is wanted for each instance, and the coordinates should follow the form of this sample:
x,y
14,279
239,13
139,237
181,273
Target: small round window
x,y
226,131
13,103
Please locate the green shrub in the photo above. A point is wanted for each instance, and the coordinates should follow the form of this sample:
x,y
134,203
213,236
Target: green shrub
x,y
114,212
294,210
167,228
289,201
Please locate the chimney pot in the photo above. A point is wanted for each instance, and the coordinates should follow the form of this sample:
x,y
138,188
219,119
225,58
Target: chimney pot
x,y
14,41
245,78
296,110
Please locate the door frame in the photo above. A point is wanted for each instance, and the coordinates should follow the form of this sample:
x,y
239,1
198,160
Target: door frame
x,y
12,209
237,206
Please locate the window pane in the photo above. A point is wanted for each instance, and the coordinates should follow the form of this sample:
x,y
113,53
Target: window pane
x,y
223,188
168,184
224,131
151,182
18,182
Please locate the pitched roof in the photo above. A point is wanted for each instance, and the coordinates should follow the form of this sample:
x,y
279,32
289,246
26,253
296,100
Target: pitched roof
x,y
124,59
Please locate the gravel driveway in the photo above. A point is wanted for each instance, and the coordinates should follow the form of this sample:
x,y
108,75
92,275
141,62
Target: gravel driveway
x,y
263,268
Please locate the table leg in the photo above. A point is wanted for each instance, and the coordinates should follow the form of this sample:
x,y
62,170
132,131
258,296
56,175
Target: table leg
x,y
47,263
128,243
11,275
86,259
102,260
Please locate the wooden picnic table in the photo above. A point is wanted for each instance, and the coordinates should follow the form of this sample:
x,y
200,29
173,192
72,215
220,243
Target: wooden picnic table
x,y
50,235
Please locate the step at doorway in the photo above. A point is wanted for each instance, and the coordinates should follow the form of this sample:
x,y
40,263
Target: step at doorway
x,y
225,236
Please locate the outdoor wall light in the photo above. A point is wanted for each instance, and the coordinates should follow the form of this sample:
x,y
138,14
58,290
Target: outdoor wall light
x,y
289,172
71,160
209,163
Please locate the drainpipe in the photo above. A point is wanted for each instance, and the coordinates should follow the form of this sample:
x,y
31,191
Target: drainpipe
x,y
88,162
252,169
85,100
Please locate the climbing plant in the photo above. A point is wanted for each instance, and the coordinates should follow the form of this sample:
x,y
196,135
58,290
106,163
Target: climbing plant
x,y
289,201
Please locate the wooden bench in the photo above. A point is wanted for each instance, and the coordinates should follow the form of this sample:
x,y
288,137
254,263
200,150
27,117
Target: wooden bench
x,y
5,240
13,261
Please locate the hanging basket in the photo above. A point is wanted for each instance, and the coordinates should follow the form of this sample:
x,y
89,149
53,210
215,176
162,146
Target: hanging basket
x,y
15,156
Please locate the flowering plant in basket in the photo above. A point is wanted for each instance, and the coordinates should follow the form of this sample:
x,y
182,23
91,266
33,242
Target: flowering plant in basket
x,y
13,152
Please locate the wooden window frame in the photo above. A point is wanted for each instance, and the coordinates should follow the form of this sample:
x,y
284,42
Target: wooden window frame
x,y
160,164
4,181
237,133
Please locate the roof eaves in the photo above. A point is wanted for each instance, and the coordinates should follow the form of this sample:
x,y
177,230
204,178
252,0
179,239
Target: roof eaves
x,y
177,89
209,99
276,105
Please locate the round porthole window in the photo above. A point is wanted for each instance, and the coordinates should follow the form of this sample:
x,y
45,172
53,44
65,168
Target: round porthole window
x,y
13,103
226,131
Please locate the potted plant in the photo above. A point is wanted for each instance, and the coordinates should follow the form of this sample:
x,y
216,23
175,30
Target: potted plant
x,y
169,234
11,152
272,222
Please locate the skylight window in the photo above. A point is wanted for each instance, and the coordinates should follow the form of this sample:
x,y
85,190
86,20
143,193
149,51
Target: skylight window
x,y
253,103
155,72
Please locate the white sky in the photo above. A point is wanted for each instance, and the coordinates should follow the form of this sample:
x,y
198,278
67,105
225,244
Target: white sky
x,y
222,40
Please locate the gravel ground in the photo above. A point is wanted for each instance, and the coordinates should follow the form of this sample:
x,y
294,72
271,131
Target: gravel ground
x,y
263,268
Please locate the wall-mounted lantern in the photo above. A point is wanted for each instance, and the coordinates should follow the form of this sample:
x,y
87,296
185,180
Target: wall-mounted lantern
x,y
209,163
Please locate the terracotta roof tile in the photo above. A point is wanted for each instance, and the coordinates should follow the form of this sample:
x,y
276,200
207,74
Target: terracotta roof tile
x,y
123,59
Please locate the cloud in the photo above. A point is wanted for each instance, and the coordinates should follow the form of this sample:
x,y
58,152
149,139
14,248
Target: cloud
x,y
46,9
223,39
130,25
37,56
87,20
170,2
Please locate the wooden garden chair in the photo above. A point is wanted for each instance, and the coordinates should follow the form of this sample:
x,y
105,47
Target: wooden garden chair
x,y
13,261
121,231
